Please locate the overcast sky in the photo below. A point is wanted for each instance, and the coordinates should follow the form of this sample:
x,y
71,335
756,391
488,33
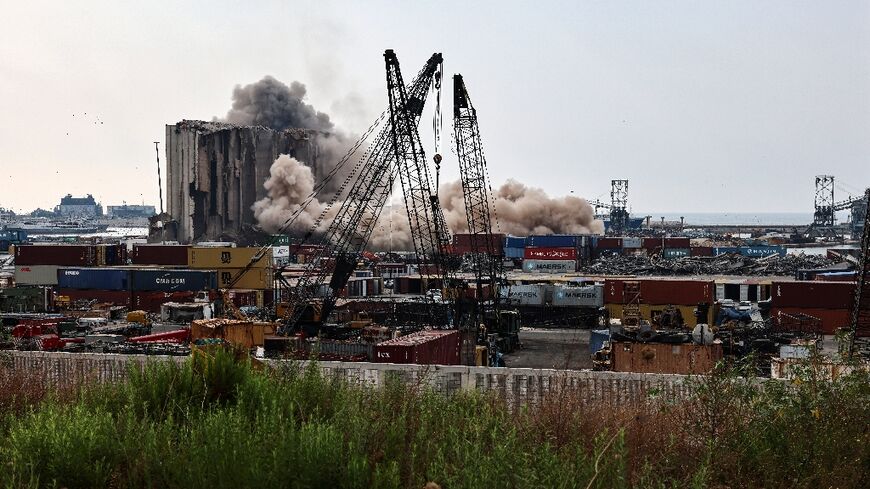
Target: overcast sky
x,y
704,106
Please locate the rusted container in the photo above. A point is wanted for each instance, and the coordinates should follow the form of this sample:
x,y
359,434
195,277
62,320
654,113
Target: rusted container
x,y
677,292
677,242
550,254
225,257
608,243
62,255
253,278
36,274
151,301
831,319
167,255
435,347
661,358
116,297
701,251
241,333
813,294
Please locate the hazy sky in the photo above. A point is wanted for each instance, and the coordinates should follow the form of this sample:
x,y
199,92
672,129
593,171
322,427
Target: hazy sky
x,y
704,106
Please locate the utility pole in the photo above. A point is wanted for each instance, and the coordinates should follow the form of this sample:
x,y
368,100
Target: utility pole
x,y
159,179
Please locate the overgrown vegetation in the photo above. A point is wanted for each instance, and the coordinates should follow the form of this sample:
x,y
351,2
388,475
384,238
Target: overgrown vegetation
x,y
216,422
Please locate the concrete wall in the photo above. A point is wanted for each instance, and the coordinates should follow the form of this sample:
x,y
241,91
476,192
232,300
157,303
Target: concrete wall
x,y
516,385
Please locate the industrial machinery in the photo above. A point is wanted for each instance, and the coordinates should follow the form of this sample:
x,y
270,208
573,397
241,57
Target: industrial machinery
x,y
861,307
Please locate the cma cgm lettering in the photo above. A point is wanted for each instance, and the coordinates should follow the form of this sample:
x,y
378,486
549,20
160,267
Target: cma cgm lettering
x,y
174,280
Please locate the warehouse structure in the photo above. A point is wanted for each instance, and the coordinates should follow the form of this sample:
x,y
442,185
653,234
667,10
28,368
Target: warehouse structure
x,y
215,173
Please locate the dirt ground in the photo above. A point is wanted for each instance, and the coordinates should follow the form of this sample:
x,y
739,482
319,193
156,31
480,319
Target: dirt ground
x,y
551,348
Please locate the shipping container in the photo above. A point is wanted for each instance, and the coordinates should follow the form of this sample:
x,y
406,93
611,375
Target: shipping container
x,y
280,252
684,292
671,253
466,240
573,296
727,250
831,319
555,241
168,280
151,301
435,347
36,274
614,291
514,253
115,297
280,240
111,255
813,294
678,242
515,242
61,255
225,257
661,358
550,254
608,243
155,254
631,243
526,295
253,278
549,266
94,278
245,334
761,251
701,251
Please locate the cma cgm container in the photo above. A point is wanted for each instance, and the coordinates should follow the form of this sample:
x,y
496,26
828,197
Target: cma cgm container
x,y
584,296
555,241
423,347
61,255
526,295
94,278
225,257
36,274
549,266
174,280
813,294
169,255
550,254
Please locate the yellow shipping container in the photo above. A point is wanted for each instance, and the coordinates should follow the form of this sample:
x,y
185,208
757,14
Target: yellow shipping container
x,y
253,279
242,333
211,258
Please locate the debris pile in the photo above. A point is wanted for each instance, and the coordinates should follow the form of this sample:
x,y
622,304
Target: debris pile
x,y
729,264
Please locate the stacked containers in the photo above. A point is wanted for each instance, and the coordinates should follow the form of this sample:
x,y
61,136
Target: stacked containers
x,y
514,247
231,262
39,264
831,302
542,252
441,347
164,255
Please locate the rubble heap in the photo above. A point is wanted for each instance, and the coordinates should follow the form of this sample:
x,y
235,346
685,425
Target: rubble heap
x,y
729,264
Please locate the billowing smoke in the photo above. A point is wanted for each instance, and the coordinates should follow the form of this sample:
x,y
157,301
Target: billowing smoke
x,y
520,210
271,103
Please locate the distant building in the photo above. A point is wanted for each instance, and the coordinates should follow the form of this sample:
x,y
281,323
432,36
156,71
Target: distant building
x,y
130,211
78,207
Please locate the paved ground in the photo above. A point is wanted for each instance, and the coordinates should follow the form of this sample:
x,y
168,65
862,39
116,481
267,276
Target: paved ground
x,y
552,348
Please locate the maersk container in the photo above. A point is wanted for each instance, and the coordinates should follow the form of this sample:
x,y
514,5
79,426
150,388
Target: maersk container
x,y
36,274
549,266
94,278
584,296
174,280
550,254
554,241
154,254
675,252
762,251
515,242
526,295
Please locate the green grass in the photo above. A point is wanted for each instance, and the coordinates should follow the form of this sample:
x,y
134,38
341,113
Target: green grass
x,y
216,422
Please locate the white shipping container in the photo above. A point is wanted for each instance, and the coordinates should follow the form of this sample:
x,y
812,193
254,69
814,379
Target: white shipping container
x,y
549,266
36,274
525,295
280,252
587,296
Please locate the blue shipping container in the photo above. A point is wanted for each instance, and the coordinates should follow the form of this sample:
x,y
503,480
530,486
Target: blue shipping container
x,y
514,253
174,280
762,251
554,241
723,251
515,242
93,278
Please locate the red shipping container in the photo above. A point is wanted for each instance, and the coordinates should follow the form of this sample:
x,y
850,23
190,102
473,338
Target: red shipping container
x,y
677,292
677,243
614,291
550,254
465,239
813,294
609,243
831,318
171,255
116,297
701,251
61,255
434,347
151,301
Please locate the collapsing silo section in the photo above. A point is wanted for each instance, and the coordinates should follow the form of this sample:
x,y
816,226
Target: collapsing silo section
x,y
215,173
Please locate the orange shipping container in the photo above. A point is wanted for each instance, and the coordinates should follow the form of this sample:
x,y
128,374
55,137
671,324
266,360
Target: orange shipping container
x,y
242,333
662,358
